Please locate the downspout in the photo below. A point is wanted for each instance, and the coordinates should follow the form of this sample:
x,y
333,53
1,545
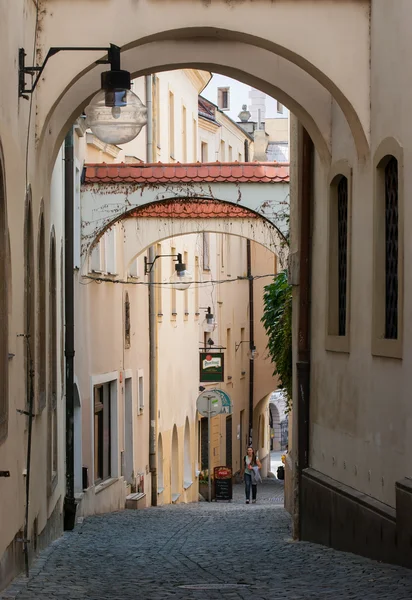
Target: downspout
x,y
251,338
69,500
303,362
246,151
152,316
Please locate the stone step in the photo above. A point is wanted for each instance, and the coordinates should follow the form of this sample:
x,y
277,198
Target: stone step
x,y
136,501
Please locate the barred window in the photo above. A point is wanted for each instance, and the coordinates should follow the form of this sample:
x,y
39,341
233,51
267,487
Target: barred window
x,y
41,340
29,301
338,315
52,404
4,274
342,252
126,321
391,249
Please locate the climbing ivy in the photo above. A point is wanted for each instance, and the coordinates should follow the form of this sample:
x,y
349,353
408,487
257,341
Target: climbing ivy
x,y
277,321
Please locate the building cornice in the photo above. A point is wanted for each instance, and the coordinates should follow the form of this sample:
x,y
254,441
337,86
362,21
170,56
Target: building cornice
x,y
199,79
94,141
207,125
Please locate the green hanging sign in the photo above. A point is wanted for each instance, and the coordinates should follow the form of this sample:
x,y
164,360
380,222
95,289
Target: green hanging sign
x,y
211,366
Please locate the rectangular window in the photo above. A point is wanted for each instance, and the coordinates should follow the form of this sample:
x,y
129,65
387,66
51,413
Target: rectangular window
x,y
229,353
173,299
222,151
186,292
97,257
391,249
194,140
110,251
203,152
184,134
206,251
140,392
127,325
171,125
76,217
156,103
223,98
102,432
197,278
134,269
158,281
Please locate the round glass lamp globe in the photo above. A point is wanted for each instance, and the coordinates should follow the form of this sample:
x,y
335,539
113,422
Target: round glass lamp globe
x,y
181,280
116,124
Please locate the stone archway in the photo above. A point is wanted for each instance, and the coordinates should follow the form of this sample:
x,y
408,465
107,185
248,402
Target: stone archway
x,y
248,200
306,75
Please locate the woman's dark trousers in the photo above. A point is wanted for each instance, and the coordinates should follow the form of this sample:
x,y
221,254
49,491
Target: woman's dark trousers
x,y
248,485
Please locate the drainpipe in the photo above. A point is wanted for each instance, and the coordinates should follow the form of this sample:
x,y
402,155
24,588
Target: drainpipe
x,y
251,338
69,500
246,151
152,316
303,362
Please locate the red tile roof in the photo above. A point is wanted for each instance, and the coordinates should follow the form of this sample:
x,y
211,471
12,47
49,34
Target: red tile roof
x,y
188,209
157,173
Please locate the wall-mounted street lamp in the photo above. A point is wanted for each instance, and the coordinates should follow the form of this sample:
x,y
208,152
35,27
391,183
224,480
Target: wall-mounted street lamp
x,y
115,114
210,319
252,349
181,278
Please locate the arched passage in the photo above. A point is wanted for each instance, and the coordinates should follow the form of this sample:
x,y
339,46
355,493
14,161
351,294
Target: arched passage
x,y
329,63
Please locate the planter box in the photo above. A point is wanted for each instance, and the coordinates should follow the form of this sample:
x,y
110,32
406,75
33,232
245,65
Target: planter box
x,y
204,491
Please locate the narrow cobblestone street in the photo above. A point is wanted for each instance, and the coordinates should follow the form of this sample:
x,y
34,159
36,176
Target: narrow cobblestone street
x,y
219,550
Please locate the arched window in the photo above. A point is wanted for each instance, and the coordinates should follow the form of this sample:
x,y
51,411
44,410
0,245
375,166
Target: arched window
x,y
42,326
4,274
29,300
388,251
187,458
52,395
160,476
339,258
391,248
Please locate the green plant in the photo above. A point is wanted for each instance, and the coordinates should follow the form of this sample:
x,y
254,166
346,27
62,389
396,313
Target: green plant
x,y
277,321
203,476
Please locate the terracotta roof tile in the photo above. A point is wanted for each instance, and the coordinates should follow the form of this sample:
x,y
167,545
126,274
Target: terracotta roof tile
x,y
188,173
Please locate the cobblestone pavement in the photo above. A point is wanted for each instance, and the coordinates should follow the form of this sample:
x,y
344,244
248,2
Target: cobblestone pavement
x,y
222,550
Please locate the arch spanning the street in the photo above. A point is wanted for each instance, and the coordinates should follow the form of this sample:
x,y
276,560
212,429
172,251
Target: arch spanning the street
x,y
299,70
248,200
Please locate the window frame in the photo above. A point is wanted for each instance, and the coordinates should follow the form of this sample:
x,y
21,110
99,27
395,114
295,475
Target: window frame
x,y
5,272
381,346
112,380
335,342
220,94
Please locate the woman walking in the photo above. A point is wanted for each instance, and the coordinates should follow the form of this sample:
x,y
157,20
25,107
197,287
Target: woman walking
x,y
251,467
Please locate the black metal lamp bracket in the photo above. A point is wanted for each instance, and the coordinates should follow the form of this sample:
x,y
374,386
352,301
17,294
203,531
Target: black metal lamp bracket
x,y
237,345
113,58
148,266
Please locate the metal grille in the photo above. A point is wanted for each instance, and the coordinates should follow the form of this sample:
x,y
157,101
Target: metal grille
x,y
342,251
391,249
